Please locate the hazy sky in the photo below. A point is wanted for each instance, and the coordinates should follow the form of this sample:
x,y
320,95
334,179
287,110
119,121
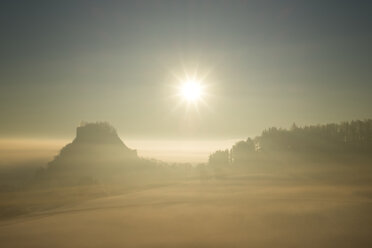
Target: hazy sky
x,y
269,63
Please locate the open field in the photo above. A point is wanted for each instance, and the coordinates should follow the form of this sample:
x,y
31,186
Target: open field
x,y
238,210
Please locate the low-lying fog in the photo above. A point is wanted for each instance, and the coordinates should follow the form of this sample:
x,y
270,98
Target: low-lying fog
x,y
22,151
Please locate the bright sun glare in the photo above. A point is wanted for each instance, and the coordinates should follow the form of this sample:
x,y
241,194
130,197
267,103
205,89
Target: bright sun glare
x,y
191,90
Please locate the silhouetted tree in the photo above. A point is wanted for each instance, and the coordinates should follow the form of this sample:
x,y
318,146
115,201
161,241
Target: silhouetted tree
x,y
242,150
328,140
219,158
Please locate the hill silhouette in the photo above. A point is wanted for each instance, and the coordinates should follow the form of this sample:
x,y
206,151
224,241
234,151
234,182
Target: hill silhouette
x,y
95,153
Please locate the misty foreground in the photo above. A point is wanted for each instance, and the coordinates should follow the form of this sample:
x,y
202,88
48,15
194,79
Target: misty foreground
x,y
98,193
234,209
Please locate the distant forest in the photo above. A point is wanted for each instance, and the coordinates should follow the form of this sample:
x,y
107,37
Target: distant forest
x,y
315,141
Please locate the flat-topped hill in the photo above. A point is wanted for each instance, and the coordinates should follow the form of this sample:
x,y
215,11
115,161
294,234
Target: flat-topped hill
x,y
96,150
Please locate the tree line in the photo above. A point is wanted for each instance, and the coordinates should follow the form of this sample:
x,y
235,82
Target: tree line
x,y
328,140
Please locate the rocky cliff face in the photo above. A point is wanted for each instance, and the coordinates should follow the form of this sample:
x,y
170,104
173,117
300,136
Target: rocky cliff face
x,y
98,133
96,149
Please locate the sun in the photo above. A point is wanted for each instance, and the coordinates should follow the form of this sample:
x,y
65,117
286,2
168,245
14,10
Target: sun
x,y
191,91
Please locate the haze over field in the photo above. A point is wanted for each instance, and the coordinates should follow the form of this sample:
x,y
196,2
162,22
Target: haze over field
x,y
18,151
185,124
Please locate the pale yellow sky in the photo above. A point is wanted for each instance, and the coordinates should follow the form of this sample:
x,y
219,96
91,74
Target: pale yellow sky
x,y
191,151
